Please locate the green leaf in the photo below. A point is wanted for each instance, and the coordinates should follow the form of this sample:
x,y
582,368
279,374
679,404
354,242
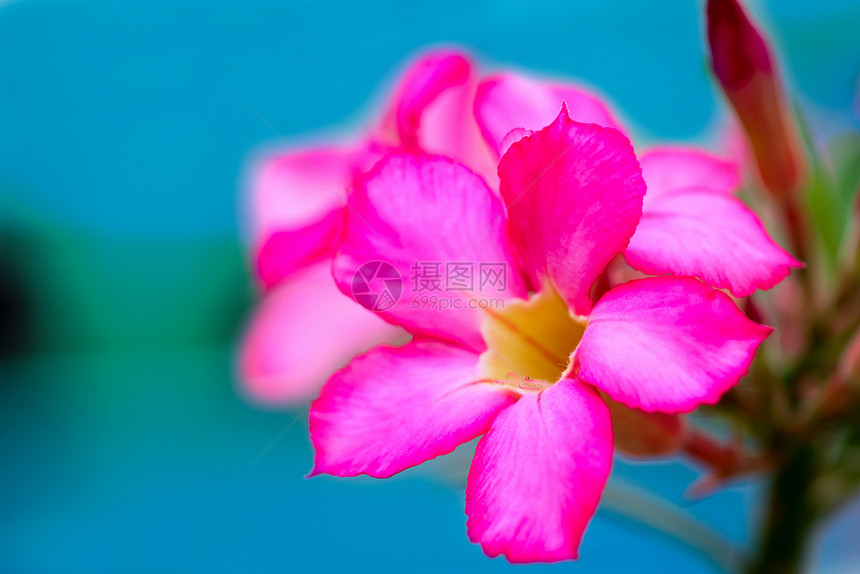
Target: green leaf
x,y
844,152
828,216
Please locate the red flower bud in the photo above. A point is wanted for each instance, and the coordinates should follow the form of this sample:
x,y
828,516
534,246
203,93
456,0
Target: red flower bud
x,y
746,70
641,434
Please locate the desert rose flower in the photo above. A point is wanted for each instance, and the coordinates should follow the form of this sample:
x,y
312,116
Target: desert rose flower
x,y
527,376
297,214
298,206
691,224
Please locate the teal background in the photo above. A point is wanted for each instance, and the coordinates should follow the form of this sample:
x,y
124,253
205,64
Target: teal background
x,y
123,131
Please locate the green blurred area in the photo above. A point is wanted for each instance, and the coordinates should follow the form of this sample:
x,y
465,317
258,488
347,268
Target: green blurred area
x,y
68,289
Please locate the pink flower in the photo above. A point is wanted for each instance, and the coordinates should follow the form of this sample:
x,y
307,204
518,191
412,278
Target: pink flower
x,y
528,376
297,213
691,224
298,210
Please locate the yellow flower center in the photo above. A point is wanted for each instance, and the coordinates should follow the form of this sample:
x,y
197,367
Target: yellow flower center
x,y
530,342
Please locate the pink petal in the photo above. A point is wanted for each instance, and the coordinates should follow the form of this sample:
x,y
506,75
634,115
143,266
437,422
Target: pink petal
x,y
667,169
432,112
667,344
285,252
449,128
423,82
292,190
538,474
574,196
289,351
433,210
508,101
297,202
513,136
710,235
394,408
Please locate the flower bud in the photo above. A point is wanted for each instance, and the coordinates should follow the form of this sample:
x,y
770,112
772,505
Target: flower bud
x,y
742,62
642,434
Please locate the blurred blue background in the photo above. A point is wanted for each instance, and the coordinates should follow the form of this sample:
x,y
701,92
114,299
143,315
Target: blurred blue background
x,y
123,130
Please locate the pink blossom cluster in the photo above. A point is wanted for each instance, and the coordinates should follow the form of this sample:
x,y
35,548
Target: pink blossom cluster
x,y
621,271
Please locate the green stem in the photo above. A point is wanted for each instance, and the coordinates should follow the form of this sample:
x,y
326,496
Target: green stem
x,y
790,517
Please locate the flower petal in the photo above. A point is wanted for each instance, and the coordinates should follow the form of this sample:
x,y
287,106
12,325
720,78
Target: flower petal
x,y
574,196
672,168
432,112
285,252
288,350
394,408
508,101
423,82
666,344
513,136
538,474
413,210
289,191
297,202
710,235
449,128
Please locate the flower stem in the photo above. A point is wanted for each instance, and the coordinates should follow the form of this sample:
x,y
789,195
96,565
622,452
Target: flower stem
x,y
790,517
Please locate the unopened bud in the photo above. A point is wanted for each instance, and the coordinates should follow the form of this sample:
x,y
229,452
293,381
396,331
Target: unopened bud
x,y
642,434
743,64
